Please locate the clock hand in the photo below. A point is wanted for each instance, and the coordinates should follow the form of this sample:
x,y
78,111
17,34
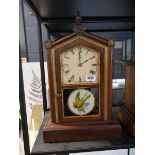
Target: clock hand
x,y
80,64
79,54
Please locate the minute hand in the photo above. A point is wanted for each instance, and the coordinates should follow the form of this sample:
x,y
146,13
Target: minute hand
x,y
87,60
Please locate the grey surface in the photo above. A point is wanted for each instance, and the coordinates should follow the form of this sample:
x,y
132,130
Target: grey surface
x,y
132,151
109,152
72,147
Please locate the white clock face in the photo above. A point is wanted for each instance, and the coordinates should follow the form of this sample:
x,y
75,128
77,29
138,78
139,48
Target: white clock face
x,y
80,65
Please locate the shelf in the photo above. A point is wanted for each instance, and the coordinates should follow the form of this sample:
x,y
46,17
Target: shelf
x,y
59,15
41,148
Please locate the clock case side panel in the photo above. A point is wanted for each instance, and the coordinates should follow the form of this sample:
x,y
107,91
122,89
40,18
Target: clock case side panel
x,y
51,85
102,117
109,107
107,87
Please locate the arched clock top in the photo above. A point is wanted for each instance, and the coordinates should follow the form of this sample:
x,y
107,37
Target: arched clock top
x,y
87,37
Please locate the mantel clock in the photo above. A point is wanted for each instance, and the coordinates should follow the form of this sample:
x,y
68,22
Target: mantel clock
x,y
80,88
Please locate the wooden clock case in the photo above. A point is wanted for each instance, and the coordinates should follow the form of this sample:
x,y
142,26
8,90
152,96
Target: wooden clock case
x,y
126,113
59,128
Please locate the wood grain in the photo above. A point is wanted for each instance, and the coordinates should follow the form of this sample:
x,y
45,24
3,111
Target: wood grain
x,y
51,86
80,131
130,88
127,112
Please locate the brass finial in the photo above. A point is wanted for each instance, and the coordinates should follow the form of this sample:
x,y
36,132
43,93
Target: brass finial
x,y
78,18
78,28
48,44
111,42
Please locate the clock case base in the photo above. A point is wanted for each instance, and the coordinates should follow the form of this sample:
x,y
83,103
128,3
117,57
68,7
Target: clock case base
x,y
86,131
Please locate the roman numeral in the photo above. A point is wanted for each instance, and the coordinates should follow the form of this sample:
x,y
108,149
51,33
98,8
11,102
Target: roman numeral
x,y
72,52
67,71
94,64
92,57
87,52
72,78
92,72
67,57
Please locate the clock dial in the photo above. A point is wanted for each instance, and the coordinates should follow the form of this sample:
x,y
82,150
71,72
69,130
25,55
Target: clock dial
x,y
80,65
